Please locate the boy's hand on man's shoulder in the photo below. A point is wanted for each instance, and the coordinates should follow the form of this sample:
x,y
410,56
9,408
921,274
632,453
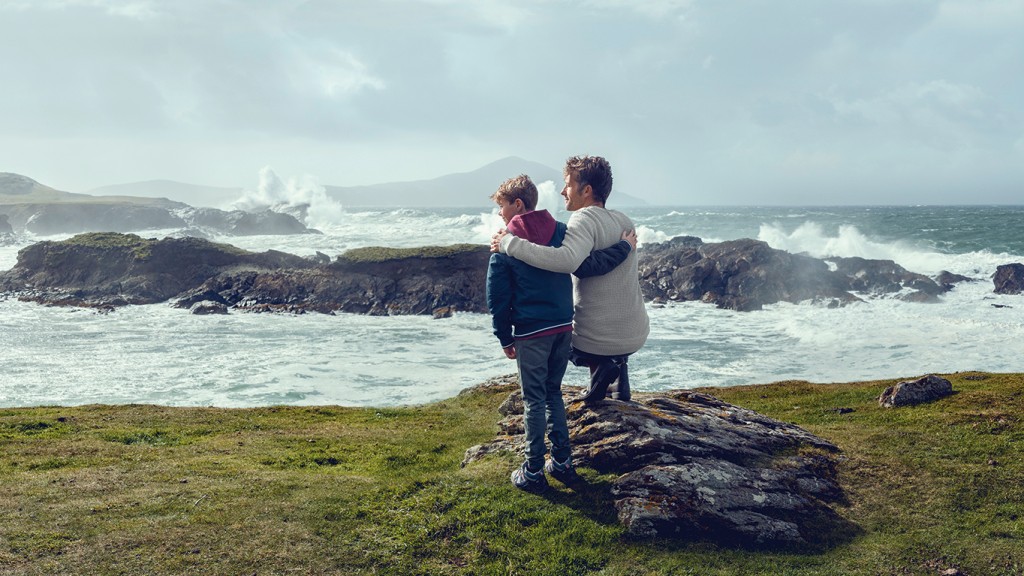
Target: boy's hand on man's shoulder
x,y
496,240
630,237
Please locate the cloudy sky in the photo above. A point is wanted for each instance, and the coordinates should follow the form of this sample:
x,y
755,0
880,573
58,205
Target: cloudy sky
x,y
692,101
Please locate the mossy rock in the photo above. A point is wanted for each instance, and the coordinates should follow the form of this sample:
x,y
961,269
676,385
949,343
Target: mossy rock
x,y
382,254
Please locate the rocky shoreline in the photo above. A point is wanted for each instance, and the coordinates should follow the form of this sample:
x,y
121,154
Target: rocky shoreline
x,y
107,270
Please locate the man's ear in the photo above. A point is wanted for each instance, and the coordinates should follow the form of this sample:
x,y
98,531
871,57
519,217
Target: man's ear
x,y
588,190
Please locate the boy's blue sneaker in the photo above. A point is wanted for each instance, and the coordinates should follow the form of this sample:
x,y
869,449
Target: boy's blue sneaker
x,y
523,479
562,471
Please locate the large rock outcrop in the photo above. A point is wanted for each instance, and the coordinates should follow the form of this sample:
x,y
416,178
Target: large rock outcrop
x,y
372,281
692,466
1009,279
747,274
109,269
242,223
881,277
739,274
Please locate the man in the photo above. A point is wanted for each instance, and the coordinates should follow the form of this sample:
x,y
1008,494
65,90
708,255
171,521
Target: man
x,y
532,312
610,321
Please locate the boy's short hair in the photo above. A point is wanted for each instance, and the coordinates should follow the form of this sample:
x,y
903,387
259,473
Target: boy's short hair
x,y
593,170
520,187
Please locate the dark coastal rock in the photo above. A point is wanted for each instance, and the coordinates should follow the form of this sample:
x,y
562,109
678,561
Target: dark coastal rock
x,y
118,269
947,280
748,274
880,277
926,389
738,274
692,466
1009,279
432,280
206,308
241,223
320,258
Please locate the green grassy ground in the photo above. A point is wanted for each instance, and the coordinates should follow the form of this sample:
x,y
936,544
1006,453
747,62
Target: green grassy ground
x,y
328,490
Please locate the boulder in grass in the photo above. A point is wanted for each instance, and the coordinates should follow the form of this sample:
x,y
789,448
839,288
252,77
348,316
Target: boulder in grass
x,y
926,389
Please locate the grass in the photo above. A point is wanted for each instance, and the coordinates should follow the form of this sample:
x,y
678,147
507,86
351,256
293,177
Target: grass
x,y
141,249
381,254
330,490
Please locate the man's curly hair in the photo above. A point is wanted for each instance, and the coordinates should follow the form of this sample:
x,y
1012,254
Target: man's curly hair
x,y
593,170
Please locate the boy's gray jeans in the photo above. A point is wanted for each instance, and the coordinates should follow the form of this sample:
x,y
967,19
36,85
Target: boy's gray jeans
x,y
542,363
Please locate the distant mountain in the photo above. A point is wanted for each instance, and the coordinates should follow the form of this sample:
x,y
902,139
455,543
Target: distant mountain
x,y
465,189
16,185
27,205
193,194
18,189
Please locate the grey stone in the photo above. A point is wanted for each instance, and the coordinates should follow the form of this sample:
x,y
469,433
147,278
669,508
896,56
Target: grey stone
x,y
1009,279
692,466
207,307
926,389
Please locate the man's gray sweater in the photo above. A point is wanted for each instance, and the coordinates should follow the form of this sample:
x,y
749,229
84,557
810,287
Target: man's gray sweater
x,y
610,317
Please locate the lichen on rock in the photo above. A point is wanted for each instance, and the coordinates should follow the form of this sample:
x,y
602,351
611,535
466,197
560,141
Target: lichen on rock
x,y
692,466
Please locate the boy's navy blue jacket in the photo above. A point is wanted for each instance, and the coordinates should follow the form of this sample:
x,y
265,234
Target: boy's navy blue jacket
x,y
524,300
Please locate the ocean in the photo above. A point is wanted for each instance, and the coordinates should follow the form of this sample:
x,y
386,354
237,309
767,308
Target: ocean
x,y
157,354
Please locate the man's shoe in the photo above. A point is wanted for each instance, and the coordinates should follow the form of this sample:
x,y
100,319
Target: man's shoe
x,y
622,386
563,472
605,374
534,482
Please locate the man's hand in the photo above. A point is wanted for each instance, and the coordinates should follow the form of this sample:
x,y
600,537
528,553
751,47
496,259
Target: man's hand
x,y
630,236
510,352
496,240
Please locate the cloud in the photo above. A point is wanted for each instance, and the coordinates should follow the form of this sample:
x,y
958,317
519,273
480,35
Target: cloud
x,y
689,100
131,9
656,9
937,113
982,15
334,72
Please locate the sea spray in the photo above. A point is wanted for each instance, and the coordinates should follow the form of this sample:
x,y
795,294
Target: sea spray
x,y
298,195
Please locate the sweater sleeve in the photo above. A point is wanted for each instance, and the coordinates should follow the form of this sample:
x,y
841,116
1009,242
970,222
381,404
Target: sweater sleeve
x,y
579,241
601,262
499,298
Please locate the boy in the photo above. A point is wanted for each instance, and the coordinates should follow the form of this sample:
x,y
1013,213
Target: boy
x,y
532,311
